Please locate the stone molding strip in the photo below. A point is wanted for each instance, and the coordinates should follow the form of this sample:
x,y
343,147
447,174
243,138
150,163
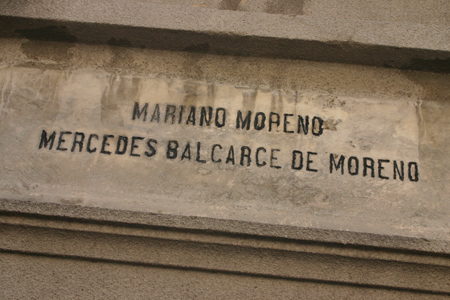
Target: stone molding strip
x,y
196,29
221,246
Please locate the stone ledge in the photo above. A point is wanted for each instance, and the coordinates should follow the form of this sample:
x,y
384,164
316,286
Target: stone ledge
x,y
114,280
224,228
149,243
195,29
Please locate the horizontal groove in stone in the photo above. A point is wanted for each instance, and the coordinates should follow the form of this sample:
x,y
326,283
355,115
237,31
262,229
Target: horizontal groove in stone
x,y
228,258
93,215
415,291
235,240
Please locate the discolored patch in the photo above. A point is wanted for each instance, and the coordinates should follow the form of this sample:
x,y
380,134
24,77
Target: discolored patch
x,y
331,124
47,51
48,33
230,4
433,65
285,7
118,42
203,47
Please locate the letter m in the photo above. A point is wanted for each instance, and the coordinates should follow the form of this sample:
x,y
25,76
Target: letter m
x,y
138,112
45,141
245,122
339,165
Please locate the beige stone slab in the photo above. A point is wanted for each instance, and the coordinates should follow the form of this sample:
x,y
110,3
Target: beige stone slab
x,y
100,107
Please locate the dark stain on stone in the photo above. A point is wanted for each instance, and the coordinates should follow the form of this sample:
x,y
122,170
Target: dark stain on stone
x,y
192,93
249,98
432,111
230,4
333,102
211,94
330,124
48,33
434,65
434,86
118,89
72,201
276,102
54,51
204,47
285,7
118,42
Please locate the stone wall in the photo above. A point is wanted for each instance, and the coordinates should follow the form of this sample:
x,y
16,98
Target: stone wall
x,y
230,149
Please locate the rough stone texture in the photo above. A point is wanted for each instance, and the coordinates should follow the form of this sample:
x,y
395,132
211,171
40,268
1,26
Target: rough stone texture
x,y
248,230
86,251
304,237
425,12
99,280
398,126
396,41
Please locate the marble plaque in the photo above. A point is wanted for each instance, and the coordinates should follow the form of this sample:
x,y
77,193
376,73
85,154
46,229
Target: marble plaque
x,y
173,146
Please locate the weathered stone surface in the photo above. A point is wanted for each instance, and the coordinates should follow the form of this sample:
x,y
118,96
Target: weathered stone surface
x,y
351,32
70,218
148,177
